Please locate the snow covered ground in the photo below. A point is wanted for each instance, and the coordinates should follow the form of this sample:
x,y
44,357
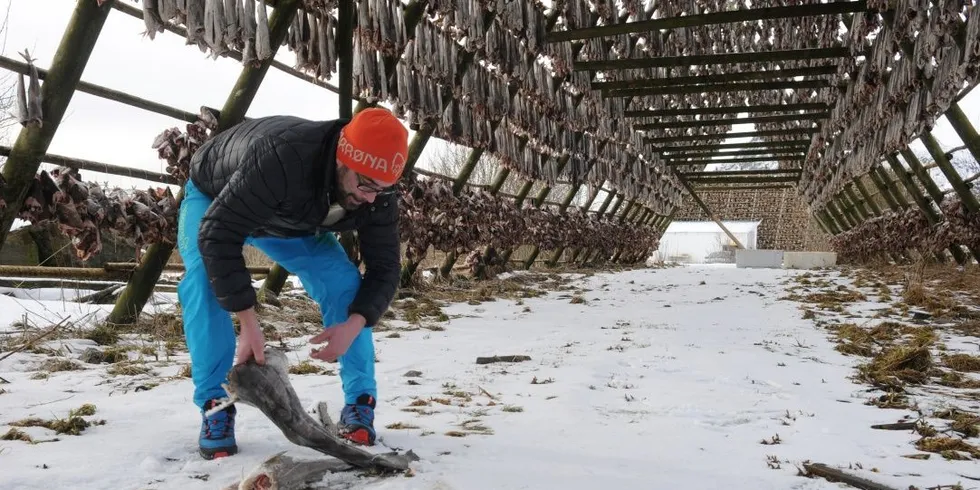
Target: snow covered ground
x,y
684,377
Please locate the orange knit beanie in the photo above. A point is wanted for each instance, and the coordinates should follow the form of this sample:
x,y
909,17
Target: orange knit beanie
x,y
374,144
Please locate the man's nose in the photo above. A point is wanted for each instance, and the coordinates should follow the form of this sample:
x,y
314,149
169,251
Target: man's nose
x,y
368,196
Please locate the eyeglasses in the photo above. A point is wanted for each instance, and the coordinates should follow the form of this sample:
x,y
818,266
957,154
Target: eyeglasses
x,y
368,185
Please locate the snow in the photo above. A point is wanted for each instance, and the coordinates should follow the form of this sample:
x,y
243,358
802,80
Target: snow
x,y
661,378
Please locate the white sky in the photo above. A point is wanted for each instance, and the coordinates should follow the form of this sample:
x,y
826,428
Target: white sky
x,y
166,70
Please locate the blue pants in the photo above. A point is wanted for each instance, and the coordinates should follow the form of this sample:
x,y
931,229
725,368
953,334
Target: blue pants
x,y
322,267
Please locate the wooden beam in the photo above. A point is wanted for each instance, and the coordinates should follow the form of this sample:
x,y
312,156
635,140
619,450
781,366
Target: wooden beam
x,y
725,17
703,179
717,78
716,87
726,187
706,161
758,152
736,173
105,93
739,109
952,175
711,59
809,116
103,168
742,134
721,146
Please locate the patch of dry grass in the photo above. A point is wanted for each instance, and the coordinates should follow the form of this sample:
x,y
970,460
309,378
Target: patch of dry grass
x,y
74,424
951,448
129,368
962,362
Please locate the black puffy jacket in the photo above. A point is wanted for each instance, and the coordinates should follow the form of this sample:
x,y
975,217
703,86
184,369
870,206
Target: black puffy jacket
x,y
274,176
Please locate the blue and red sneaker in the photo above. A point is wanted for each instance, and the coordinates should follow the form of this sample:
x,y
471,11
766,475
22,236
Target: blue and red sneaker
x,y
217,438
357,421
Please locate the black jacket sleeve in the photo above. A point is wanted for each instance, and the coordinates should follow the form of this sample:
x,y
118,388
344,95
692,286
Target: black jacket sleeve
x,y
249,199
381,251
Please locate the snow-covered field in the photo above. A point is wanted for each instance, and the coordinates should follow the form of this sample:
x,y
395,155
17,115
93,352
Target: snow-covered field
x,y
684,377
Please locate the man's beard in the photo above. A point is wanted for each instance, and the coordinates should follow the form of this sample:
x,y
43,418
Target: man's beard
x,y
349,201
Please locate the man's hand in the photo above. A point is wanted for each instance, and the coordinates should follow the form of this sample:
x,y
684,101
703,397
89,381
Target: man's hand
x,y
338,338
251,341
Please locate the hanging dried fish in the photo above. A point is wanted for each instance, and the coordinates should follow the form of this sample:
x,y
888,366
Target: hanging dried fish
x,y
151,18
263,48
214,25
29,110
22,115
246,18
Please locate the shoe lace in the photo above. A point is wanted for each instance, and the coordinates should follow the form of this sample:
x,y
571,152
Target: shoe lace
x,y
362,414
219,425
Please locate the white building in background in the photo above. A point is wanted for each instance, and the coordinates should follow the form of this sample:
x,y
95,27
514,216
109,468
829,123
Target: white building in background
x,y
704,242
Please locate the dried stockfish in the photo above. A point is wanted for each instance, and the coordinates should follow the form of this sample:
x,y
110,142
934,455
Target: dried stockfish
x,y
214,24
263,47
232,24
29,110
167,10
151,18
246,18
22,115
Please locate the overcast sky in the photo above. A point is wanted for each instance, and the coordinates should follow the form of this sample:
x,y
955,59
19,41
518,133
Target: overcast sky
x,y
166,70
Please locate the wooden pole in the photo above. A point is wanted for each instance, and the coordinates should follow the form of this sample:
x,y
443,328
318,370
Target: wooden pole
x,y
967,133
844,223
966,197
537,203
886,188
868,198
553,261
599,212
103,168
962,190
931,215
461,179
595,255
345,84
105,93
562,208
708,211
32,142
131,301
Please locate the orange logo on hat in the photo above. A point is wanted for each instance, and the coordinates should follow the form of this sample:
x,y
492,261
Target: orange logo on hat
x,y
374,144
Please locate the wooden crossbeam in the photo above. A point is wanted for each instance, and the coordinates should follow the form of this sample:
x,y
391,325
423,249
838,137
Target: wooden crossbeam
x,y
744,180
743,134
711,59
779,158
717,78
727,110
745,15
810,116
717,87
728,187
734,153
722,146
740,173
740,153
